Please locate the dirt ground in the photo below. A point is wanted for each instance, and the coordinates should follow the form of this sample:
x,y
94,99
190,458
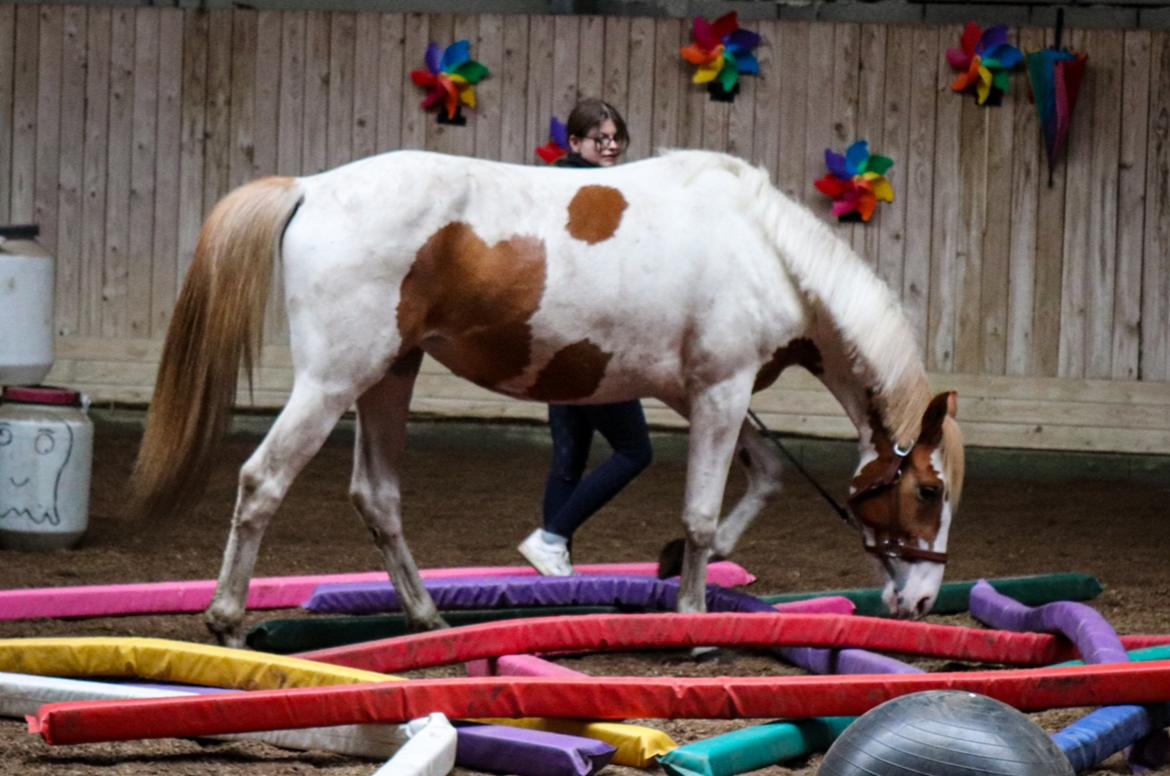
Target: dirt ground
x,y
471,492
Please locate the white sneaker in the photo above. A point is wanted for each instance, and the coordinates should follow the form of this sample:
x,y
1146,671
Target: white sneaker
x,y
551,560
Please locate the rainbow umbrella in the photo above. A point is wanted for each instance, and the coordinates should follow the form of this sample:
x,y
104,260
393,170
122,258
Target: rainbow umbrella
x,y
1056,75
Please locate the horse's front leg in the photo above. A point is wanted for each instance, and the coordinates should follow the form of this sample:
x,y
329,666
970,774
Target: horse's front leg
x,y
763,469
295,437
716,416
374,490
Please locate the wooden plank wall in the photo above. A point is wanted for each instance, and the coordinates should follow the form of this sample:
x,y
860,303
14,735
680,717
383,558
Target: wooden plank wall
x,y
120,127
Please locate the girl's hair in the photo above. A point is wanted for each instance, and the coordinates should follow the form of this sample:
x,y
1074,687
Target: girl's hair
x,y
591,113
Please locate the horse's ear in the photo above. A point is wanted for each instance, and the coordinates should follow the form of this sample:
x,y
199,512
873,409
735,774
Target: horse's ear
x,y
940,407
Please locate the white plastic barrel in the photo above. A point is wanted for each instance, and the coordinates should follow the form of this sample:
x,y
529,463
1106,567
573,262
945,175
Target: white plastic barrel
x,y
26,312
46,455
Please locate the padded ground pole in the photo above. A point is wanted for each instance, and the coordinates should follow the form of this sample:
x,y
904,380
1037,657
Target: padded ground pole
x,y
609,632
597,698
953,597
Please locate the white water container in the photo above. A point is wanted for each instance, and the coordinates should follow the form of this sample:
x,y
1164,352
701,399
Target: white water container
x,y
26,307
46,455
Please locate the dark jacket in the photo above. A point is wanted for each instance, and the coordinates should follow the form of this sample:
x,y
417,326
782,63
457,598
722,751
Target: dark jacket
x,y
575,160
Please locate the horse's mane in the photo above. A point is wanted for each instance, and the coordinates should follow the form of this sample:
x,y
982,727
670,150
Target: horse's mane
x,y
866,314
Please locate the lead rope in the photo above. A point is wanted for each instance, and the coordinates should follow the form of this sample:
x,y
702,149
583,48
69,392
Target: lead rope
x,y
840,510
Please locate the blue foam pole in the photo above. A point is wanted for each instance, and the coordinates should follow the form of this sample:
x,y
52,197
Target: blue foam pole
x,y
1102,733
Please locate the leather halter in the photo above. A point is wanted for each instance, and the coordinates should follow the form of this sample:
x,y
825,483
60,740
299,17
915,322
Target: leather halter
x,y
892,547
884,550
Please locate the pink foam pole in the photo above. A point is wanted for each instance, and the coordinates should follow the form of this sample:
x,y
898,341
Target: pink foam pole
x,y
518,665
830,604
269,592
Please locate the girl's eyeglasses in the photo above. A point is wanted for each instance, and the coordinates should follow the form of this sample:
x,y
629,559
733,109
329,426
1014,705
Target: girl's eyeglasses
x,y
604,141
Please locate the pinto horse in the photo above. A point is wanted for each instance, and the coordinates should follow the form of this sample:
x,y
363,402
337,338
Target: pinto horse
x,y
686,277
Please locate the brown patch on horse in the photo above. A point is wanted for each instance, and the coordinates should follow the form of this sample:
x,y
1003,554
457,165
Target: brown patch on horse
x,y
800,352
595,213
574,372
472,302
903,497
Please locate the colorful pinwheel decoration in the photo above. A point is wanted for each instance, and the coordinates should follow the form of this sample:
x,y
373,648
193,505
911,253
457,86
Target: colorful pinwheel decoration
x,y
856,182
986,60
557,147
722,51
450,79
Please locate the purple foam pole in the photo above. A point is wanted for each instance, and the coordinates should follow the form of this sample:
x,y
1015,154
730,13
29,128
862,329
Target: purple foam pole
x,y
1102,732
501,749
1084,626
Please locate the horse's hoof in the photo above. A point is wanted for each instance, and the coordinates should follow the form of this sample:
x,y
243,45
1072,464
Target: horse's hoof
x,y
670,558
228,639
706,654
429,624
226,635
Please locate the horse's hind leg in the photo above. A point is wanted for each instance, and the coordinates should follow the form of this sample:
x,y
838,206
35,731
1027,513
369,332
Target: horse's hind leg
x,y
295,437
374,490
763,469
716,416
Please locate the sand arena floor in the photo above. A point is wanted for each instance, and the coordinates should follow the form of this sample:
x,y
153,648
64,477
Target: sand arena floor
x,y
471,492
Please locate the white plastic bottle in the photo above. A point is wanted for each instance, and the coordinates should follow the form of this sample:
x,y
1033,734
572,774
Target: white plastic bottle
x,y
26,310
46,455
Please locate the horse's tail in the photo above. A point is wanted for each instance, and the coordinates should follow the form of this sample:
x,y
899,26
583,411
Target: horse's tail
x,y
217,323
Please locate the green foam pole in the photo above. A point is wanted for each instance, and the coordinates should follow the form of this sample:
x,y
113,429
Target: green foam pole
x,y
302,634
1147,655
753,748
954,597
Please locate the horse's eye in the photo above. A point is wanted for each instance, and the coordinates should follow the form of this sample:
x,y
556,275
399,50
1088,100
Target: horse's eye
x,y
929,492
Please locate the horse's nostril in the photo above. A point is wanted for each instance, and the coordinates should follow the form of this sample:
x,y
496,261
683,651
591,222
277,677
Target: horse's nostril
x,y
922,608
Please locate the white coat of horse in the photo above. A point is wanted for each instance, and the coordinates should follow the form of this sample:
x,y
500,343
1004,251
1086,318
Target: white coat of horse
x,y
687,277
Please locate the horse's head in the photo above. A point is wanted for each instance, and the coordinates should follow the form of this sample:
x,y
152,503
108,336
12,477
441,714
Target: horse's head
x,y
904,501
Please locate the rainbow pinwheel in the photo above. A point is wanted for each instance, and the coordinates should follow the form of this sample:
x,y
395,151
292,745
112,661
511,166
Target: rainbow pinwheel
x,y
450,77
722,51
986,60
557,147
856,182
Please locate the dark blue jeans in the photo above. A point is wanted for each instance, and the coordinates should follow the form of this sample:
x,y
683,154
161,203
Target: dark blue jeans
x,y
570,500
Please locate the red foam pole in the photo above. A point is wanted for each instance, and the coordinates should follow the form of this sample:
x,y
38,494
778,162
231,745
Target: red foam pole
x,y
793,697
613,632
1144,641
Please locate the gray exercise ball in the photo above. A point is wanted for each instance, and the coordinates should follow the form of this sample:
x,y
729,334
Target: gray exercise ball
x,y
944,733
